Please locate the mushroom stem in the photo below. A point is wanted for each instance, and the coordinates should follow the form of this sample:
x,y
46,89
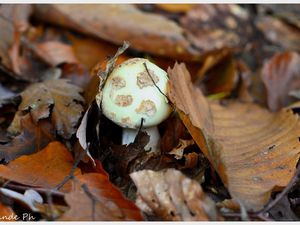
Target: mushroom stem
x,y
129,135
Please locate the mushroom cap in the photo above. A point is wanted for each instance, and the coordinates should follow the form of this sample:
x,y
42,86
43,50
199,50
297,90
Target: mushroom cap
x,y
129,94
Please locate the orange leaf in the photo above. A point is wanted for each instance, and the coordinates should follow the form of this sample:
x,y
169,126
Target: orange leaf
x,y
109,202
176,8
46,168
253,150
33,138
6,213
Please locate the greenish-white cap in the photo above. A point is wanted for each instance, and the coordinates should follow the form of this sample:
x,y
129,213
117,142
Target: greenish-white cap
x,y
129,94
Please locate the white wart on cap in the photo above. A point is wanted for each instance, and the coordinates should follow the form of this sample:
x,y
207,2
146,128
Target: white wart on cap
x,y
129,94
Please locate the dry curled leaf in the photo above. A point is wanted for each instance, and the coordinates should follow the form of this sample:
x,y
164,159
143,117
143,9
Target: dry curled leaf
x,y
46,168
250,147
32,139
170,195
115,23
281,74
94,197
57,99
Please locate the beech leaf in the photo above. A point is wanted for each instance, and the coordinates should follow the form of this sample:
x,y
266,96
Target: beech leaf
x,y
254,151
145,31
46,168
98,192
57,99
33,138
170,195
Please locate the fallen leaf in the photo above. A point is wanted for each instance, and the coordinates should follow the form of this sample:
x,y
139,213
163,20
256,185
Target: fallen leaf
x,y
170,195
55,53
221,78
32,139
98,200
90,51
279,33
46,169
57,99
10,17
122,22
281,75
250,147
215,26
6,213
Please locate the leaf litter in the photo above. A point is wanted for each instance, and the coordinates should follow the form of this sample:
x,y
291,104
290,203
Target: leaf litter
x,y
234,128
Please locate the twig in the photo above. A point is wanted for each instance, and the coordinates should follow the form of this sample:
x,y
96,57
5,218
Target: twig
x,y
71,174
145,65
93,199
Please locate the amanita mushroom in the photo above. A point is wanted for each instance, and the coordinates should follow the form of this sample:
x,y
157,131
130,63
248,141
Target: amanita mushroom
x,y
130,95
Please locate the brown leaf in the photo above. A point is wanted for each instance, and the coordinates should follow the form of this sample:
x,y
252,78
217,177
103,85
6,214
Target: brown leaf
x,y
109,203
279,33
32,139
90,51
6,213
46,168
215,26
12,17
250,148
122,22
281,74
55,53
57,99
172,196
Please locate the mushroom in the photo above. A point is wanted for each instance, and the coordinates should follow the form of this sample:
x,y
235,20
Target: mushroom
x,y
130,95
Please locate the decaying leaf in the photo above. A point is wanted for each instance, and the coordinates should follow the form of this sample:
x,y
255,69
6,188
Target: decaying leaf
x,y
145,31
281,75
170,195
280,33
32,139
179,149
57,99
253,150
46,168
94,198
